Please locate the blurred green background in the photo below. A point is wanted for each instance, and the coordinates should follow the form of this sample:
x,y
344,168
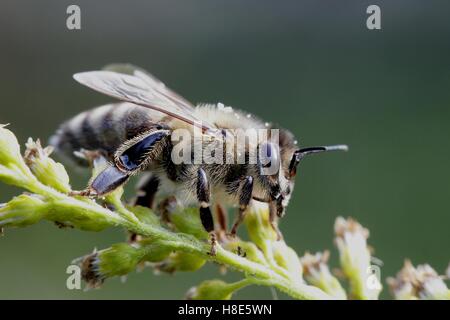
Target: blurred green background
x,y
311,66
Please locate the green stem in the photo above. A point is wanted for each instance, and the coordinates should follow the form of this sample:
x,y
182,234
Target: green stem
x,y
255,273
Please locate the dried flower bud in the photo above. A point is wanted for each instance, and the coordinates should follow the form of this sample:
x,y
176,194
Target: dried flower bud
x,y
118,260
355,258
422,282
317,273
46,170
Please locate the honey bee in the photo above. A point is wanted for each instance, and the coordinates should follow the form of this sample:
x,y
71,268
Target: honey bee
x,y
137,135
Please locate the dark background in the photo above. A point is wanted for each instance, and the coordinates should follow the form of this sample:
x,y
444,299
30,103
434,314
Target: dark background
x,y
311,66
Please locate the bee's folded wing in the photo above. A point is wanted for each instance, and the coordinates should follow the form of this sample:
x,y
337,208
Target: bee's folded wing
x,y
142,89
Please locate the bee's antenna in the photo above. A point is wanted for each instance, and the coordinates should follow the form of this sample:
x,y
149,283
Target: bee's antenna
x,y
301,153
304,151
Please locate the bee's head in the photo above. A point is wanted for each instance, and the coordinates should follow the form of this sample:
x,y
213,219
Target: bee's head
x,y
278,164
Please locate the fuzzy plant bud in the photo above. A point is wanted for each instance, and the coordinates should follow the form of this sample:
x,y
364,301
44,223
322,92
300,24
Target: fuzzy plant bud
x,y
28,209
9,148
180,261
214,290
13,169
355,259
65,212
45,169
118,260
22,211
259,229
245,249
288,259
186,220
145,215
317,273
421,282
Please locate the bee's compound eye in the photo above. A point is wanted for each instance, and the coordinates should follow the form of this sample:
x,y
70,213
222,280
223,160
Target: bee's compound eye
x,y
269,157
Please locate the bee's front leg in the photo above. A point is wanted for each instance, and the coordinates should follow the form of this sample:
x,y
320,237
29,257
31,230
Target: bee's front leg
x,y
203,197
273,215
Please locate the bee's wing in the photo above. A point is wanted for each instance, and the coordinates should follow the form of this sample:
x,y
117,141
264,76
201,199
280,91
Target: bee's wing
x,y
154,82
144,90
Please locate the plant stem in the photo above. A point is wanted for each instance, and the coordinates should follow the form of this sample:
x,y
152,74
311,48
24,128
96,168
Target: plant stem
x,y
255,273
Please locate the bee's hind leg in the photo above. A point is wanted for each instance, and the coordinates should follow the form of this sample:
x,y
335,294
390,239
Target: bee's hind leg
x,y
245,197
203,196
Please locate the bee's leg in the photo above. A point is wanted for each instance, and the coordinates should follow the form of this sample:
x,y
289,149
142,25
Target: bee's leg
x,y
106,181
146,190
273,218
221,218
166,207
203,196
89,156
244,200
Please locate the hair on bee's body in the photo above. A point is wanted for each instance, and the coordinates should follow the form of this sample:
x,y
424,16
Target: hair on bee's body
x,y
104,128
137,135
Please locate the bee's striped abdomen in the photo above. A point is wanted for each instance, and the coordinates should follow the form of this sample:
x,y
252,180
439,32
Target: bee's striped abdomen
x,y
103,128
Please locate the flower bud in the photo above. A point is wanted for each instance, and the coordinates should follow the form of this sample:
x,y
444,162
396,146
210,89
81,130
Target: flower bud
x,y
118,260
317,273
80,217
211,290
22,211
145,215
46,170
13,169
422,282
9,148
180,261
288,259
245,249
10,176
355,258
155,252
257,221
187,220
